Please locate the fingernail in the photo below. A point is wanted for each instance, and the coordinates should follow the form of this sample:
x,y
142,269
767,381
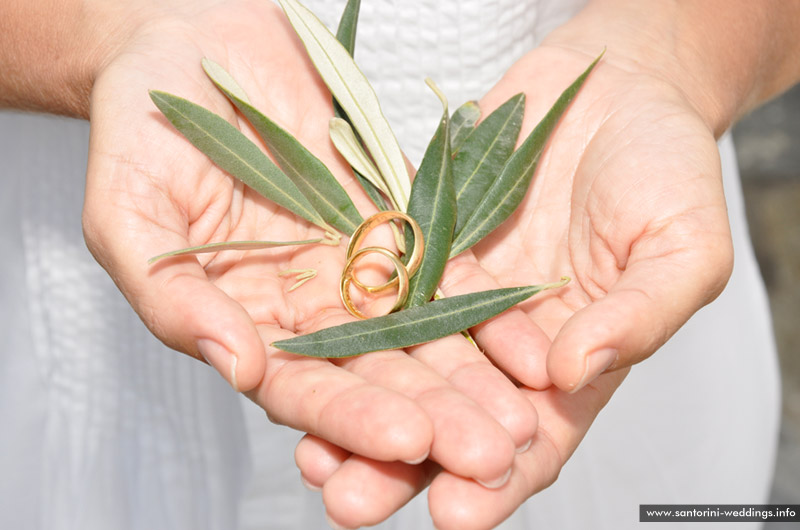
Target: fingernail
x,y
218,356
308,485
418,460
494,484
333,524
524,447
596,363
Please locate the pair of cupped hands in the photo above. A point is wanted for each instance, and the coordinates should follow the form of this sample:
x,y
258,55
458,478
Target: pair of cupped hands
x,y
627,201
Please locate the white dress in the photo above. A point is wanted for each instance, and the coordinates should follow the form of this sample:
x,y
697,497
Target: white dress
x,y
104,428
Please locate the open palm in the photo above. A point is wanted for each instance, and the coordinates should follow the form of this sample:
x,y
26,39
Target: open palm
x,y
149,191
628,202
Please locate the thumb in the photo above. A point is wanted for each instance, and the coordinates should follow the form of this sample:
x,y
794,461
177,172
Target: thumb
x,y
651,300
511,340
176,301
139,188
191,315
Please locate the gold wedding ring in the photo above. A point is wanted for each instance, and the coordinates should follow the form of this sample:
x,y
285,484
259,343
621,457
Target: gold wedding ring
x,y
348,277
404,272
414,260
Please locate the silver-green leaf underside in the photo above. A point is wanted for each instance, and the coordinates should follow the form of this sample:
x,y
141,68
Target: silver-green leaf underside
x,y
346,35
232,245
433,207
463,123
233,152
345,141
224,80
310,175
508,190
483,154
354,93
412,326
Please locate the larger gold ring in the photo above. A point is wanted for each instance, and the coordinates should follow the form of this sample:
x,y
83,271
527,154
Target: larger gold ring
x,y
348,277
414,260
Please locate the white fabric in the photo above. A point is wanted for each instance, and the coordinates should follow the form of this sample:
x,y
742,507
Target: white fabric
x,y
105,428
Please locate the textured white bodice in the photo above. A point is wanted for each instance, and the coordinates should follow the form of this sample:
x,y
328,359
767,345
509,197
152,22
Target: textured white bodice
x,y
464,46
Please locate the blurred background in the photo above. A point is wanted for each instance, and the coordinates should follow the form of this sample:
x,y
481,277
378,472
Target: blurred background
x,y
768,145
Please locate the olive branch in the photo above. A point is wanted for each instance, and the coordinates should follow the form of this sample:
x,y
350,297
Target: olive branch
x,y
470,180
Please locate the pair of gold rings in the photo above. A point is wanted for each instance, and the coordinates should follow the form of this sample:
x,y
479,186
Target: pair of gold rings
x,y
404,272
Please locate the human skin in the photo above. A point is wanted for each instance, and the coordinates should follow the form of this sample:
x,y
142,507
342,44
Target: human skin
x,y
627,201
639,229
639,270
149,191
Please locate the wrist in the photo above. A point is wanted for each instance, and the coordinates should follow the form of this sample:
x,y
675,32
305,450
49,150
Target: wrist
x,y
720,56
51,50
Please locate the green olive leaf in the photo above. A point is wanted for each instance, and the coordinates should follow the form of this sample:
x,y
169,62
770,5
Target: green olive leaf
x,y
233,152
483,154
310,175
462,123
356,96
433,206
412,326
348,26
232,245
508,190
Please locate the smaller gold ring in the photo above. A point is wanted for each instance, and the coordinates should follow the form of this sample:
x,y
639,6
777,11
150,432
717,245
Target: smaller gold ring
x,y
415,258
348,277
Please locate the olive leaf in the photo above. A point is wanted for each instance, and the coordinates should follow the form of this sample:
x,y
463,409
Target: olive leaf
x,y
508,190
412,326
433,206
233,152
348,25
345,141
462,123
310,175
232,245
480,151
354,93
346,34
379,200
483,154
224,80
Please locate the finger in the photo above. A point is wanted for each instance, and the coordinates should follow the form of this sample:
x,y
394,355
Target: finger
x,y
174,298
469,371
128,219
458,503
512,340
461,504
467,439
318,460
317,397
653,297
364,492
358,491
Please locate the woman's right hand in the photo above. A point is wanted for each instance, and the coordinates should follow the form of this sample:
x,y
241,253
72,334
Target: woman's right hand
x,y
150,191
